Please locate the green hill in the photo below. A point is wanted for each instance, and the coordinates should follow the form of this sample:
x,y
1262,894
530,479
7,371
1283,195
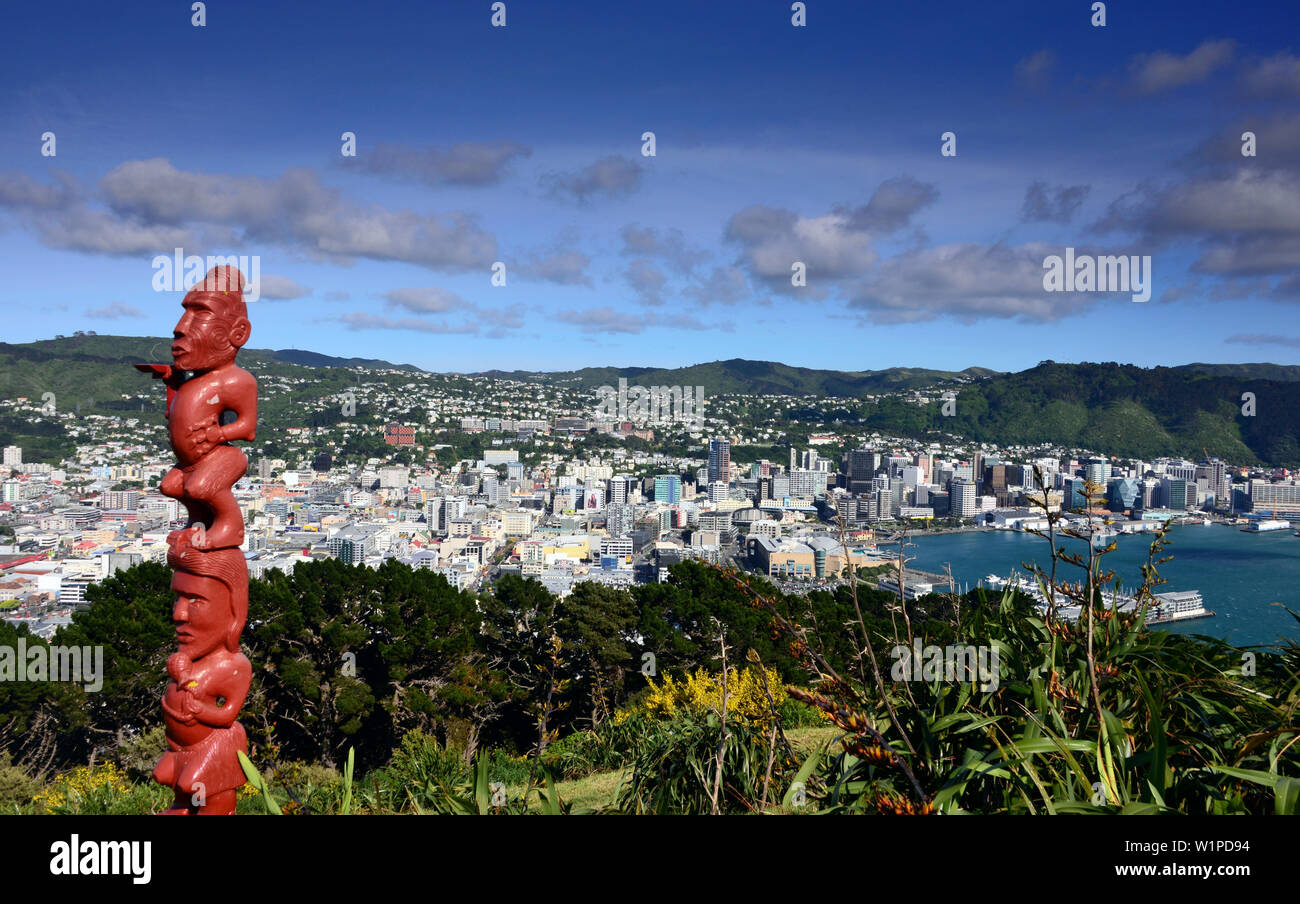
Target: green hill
x,y
1132,411
739,375
1287,373
1113,408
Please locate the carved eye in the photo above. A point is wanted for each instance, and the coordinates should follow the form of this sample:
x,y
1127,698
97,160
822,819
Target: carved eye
x,y
221,701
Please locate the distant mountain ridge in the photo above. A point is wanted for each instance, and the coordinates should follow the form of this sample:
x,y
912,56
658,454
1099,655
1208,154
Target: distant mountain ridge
x,y
316,359
739,375
130,349
1244,413
1285,373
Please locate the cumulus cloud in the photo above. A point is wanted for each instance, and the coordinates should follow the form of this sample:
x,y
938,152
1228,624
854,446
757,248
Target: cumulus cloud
x,y
773,240
1248,220
610,177
608,320
647,281
832,247
294,210
1277,142
892,205
1264,339
281,288
1274,76
602,320
426,300
1044,203
114,311
500,321
1152,73
1180,292
431,300
1035,71
99,232
18,190
725,285
562,267
967,281
361,320
467,163
668,245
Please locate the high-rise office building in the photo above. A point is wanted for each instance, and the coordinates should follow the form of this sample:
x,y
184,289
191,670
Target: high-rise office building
x,y
619,488
1075,496
1174,493
719,460
862,465
924,462
668,488
119,500
963,501
997,477
1125,494
1215,473
846,509
805,483
1097,470
1274,498
619,519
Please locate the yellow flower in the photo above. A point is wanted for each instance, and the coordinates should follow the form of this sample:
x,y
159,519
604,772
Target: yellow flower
x,y
701,691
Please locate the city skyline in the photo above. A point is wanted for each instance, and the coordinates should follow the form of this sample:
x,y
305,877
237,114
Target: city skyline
x,y
1068,136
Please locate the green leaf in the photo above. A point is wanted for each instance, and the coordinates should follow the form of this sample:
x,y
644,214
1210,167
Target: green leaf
x,y
800,779
255,779
347,782
550,797
1286,790
482,787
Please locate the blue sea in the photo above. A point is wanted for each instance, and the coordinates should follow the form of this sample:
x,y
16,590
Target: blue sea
x,y
1246,579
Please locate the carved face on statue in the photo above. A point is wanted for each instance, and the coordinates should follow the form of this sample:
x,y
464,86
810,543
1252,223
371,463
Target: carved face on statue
x,y
202,613
215,323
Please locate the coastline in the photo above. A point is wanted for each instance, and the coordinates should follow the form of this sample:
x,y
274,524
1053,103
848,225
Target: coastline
x,y
1246,579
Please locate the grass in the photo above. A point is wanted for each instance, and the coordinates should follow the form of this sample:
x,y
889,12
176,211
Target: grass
x,y
597,791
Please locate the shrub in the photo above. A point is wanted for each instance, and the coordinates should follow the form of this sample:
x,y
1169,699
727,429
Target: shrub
x,y
420,771
17,788
797,714
138,755
701,691
673,769
103,790
507,768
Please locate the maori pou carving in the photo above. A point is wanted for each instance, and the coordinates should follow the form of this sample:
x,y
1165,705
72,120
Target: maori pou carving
x,y
210,401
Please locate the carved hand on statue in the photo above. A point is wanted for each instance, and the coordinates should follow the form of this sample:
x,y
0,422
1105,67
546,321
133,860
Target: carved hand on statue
x,y
192,707
178,667
207,435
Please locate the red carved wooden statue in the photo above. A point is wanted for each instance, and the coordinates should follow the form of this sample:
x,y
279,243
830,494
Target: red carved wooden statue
x,y
210,401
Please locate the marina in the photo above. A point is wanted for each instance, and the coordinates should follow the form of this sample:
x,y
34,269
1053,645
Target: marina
x,y
1172,606
1261,527
1249,580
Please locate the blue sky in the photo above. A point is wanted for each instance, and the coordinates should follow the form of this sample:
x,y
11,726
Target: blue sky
x,y
774,144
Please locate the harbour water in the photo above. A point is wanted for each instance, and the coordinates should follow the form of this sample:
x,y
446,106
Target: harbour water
x,y
1245,578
